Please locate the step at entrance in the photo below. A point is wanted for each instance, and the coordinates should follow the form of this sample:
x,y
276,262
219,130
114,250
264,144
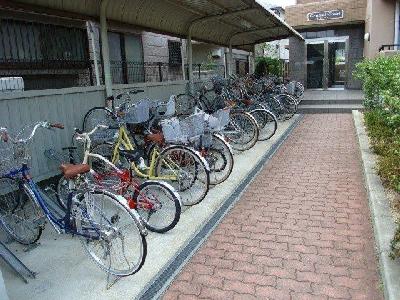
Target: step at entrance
x,y
331,101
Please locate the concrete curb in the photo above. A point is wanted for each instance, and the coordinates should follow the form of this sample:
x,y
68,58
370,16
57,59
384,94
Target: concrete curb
x,y
384,225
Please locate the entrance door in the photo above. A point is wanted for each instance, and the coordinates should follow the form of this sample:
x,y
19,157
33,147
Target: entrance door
x,y
315,65
337,64
327,63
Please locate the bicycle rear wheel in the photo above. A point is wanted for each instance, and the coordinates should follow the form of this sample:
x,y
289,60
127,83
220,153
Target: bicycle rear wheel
x,y
159,205
242,131
220,159
118,245
187,172
267,123
20,216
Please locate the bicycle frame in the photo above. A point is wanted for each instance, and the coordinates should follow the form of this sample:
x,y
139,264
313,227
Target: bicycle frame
x,y
124,140
61,225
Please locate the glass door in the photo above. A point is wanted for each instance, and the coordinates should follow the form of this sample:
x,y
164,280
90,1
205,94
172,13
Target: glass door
x,y
315,65
327,63
337,64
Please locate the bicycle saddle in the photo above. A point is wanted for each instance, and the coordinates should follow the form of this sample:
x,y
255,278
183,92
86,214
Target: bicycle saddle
x,y
71,171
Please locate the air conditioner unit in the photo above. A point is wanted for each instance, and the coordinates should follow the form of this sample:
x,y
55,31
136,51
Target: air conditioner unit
x,y
216,53
11,84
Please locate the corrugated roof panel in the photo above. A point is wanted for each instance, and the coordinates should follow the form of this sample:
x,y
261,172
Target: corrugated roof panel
x,y
173,17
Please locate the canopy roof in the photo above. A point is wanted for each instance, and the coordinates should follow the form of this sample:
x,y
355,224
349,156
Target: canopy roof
x,y
243,22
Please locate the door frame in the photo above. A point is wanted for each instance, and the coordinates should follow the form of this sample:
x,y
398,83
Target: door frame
x,y
325,72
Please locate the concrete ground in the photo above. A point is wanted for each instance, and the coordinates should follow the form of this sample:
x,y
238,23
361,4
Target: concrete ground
x,y
300,231
65,272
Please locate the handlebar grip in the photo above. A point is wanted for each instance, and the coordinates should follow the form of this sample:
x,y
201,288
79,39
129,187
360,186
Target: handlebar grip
x,y
57,125
113,127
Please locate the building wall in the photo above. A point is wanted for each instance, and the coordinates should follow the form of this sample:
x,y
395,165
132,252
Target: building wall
x,y
380,24
354,12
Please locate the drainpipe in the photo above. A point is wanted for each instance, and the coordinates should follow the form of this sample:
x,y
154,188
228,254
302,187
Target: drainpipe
x,y
397,25
105,47
183,61
96,64
190,60
230,59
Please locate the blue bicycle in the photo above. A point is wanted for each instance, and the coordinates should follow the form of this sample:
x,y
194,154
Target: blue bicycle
x,y
112,234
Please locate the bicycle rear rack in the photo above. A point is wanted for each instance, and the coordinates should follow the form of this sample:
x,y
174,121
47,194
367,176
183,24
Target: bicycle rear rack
x,y
18,266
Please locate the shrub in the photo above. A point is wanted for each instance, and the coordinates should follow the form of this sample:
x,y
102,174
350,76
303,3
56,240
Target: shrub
x,y
381,84
268,66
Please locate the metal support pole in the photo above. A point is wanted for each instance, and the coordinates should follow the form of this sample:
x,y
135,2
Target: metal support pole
x,y
105,48
230,60
96,63
183,61
190,60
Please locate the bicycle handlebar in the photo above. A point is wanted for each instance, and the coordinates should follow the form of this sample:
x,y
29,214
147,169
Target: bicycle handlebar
x,y
6,137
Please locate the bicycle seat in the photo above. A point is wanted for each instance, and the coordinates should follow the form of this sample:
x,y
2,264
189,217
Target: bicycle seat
x,y
71,171
157,138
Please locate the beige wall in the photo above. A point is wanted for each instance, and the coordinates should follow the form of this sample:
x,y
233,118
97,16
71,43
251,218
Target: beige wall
x,y
354,12
380,18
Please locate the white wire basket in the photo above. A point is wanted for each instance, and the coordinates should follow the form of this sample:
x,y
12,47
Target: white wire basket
x,y
291,87
12,156
136,113
163,109
218,120
185,130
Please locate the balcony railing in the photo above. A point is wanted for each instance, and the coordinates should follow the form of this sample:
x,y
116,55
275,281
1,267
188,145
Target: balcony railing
x,y
389,47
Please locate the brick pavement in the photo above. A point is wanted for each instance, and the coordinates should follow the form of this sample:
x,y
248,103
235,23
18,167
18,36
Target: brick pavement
x,y
300,231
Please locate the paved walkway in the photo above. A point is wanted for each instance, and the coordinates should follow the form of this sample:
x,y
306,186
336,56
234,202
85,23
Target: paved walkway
x,y
300,231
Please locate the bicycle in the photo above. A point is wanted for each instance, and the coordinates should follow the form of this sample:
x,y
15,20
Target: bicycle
x,y
242,130
112,235
156,202
181,166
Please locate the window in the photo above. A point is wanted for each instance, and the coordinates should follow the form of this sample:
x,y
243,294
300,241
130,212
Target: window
x,y
175,55
24,42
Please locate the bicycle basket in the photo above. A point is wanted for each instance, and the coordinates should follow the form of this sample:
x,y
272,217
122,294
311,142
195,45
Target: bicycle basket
x,y
218,120
193,125
172,131
137,113
164,109
182,131
290,87
12,155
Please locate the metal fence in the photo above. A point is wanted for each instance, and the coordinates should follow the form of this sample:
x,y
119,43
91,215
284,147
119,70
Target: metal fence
x,y
54,74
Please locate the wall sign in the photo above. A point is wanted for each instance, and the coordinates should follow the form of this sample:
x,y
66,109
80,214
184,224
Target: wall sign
x,y
325,15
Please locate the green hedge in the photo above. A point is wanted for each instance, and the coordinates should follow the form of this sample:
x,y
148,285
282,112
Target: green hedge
x,y
268,66
381,84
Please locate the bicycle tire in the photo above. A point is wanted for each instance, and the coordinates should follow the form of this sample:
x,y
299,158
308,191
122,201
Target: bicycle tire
x,y
134,228
267,123
12,206
184,157
247,125
169,221
225,152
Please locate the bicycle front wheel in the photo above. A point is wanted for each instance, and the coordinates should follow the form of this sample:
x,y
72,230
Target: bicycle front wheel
x,y
20,216
220,159
159,205
113,237
242,131
187,172
266,121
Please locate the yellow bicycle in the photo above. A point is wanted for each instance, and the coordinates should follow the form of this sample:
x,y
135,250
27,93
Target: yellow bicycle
x,y
182,166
